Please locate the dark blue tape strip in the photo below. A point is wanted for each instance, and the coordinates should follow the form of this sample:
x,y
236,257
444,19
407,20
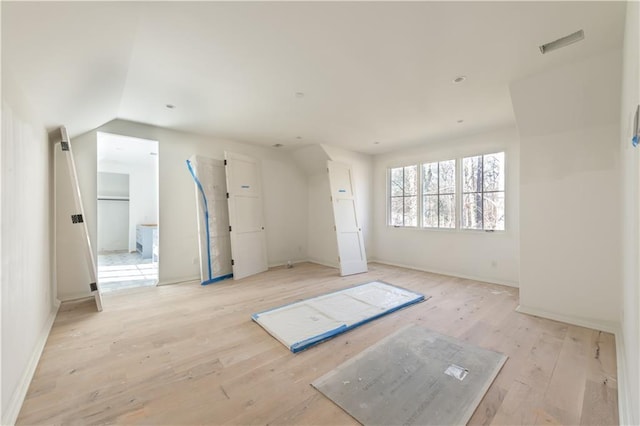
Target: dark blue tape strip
x,y
217,279
206,217
311,341
306,343
337,291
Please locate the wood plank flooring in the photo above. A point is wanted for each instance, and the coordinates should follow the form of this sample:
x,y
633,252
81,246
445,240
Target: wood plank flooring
x,y
188,354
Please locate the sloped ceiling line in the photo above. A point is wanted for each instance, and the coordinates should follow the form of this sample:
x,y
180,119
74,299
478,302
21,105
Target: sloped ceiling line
x,y
369,71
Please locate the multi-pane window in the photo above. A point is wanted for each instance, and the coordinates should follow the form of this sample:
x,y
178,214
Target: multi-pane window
x,y
439,194
468,193
404,196
483,192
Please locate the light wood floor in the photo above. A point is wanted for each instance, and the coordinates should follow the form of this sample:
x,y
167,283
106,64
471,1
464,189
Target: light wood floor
x,y
187,354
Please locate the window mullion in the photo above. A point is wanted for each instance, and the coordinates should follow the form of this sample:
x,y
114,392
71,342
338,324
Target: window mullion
x,y
438,194
482,191
420,199
389,197
404,197
457,189
418,193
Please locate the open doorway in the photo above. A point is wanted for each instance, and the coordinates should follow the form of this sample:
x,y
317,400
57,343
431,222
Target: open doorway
x,y
127,188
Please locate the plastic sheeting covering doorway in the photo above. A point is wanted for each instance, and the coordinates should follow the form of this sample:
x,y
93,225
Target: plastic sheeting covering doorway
x,y
213,218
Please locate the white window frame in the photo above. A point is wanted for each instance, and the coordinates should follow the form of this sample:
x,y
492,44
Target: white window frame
x,y
438,194
462,193
418,192
458,193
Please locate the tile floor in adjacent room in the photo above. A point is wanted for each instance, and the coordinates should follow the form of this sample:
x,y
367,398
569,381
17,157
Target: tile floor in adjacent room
x,y
123,270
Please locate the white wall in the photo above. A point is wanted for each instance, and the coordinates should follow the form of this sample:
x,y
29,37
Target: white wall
x,y
630,161
113,184
491,257
113,213
322,244
569,124
284,188
28,288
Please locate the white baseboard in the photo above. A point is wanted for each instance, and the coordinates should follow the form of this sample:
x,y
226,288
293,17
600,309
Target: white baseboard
x,y
449,273
323,263
607,326
625,412
182,281
74,296
284,263
10,414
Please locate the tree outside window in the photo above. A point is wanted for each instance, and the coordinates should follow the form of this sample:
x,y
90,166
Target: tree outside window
x,y
483,192
434,195
439,194
404,196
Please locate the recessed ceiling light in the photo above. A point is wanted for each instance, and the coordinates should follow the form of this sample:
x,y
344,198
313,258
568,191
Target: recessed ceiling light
x,y
277,145
460,121
170,106
460,79
299,94
562,42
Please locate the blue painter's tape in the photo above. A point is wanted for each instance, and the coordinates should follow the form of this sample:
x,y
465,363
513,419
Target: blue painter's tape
x,y
206,217
311,341
342,190
306,343
331,292
217,279
634,140
244,186
419,299
314,340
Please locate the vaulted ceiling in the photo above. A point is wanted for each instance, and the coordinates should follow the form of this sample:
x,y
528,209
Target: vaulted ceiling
x,y
341,73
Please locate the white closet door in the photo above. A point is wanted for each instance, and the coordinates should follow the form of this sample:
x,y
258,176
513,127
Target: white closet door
x,y
246,218
351,253
213,218
73,245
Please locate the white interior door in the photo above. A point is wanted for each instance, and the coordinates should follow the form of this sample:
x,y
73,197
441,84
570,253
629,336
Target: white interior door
x,y
73,244
213,218
246,219
351,254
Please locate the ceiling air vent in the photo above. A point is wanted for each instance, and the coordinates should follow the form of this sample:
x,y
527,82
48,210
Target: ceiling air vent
x,y
562,42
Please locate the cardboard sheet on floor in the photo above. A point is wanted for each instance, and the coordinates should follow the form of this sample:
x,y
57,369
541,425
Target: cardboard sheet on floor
x,y
308,322
413,377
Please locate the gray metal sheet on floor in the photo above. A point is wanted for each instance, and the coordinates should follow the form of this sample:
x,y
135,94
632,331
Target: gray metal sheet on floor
x,y
413,377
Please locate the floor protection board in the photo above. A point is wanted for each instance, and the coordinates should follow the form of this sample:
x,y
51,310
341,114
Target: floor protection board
x,y
308,322
413,377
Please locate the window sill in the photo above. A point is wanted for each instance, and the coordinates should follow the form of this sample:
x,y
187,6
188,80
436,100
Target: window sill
x,y
451,230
